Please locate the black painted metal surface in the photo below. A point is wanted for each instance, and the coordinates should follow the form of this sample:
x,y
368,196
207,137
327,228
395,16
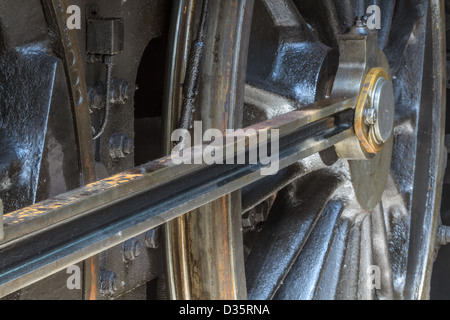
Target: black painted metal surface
x,y
286,57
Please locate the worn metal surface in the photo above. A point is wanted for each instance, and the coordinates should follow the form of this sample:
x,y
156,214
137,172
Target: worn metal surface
x,y
426,197
181,36
214,233
204,248
194,69
66,46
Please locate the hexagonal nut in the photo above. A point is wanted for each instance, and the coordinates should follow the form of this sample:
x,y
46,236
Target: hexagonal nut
x,y
370,116
131,250
108,283
96,96
248,219
119,91
119,146
152,238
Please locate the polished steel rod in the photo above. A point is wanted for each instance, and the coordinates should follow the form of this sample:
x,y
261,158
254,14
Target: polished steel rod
x,y
62,231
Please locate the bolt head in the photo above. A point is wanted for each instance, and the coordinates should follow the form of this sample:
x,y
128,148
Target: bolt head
x,y
108,283
120,146
255,216
131,250
370,116
126,146
247,219
152,238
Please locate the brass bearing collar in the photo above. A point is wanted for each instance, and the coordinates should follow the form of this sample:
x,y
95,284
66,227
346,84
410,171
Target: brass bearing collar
x,y
364,132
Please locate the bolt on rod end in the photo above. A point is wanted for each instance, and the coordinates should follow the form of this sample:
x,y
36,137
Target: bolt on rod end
x,y
375,111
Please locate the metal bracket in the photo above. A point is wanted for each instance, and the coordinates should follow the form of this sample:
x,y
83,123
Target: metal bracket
x,y
105,36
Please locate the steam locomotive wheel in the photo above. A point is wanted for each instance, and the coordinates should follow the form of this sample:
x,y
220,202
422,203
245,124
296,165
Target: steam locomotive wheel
x,y
359,220
339,225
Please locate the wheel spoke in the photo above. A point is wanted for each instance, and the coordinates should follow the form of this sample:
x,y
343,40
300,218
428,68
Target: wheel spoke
x,y
322,15
348,282
380,251
327,287
304,275
387,13
285,233
406,15
365,291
